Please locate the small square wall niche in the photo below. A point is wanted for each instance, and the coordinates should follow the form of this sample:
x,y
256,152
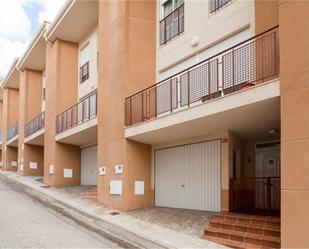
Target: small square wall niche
x,y
139,187
67,173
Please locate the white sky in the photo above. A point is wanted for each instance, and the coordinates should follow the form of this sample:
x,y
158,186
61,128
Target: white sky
x,y
19,22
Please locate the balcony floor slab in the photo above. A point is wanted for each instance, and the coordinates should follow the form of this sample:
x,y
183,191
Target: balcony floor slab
x,y
250,112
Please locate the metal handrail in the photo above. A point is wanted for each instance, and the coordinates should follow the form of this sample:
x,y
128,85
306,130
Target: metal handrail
x,y
13,131
35,124
240,66
80,112
203,61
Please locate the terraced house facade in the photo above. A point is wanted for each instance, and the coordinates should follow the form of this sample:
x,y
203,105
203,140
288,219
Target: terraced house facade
x,y
198,105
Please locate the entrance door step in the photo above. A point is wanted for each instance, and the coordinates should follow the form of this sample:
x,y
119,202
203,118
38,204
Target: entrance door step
x,y
244,231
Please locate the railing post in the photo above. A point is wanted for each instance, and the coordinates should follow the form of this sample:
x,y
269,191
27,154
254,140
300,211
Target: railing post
x,y
188,88
89,107
262,41
269,185
155,101
142,107
130,110
171,101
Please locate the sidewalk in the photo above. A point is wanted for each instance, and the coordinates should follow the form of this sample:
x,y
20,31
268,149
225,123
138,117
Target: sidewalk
x,y
126,230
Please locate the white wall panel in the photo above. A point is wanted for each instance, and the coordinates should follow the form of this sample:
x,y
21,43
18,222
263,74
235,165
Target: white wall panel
x,y
189,176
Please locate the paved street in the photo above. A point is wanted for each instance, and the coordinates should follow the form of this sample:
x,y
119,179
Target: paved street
x,y
25,223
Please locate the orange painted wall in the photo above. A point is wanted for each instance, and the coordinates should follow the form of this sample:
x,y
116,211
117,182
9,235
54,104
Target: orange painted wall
x,y
127,64
294,86
13,106
30,99
1,128
266,15
61,93
1,115
10,118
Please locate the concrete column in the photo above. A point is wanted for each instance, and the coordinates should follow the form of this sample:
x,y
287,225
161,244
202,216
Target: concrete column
x,y
127,64
61,93
30,106
294,87
10,118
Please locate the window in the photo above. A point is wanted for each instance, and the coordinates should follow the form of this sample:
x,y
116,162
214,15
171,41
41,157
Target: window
x,y
84,57
84,72
44,94
172,23
167,8
215,5
170,5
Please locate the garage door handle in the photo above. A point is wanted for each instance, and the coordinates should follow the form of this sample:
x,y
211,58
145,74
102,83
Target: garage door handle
x,y
182,185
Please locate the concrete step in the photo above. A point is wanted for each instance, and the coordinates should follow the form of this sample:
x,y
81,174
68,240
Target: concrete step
x,y
250,219
244,237
234,244
272,230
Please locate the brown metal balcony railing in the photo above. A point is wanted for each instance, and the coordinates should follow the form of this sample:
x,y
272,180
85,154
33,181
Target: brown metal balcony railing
x,y
81,112
215,5
250,62
172,25
12,132
255,194
35,124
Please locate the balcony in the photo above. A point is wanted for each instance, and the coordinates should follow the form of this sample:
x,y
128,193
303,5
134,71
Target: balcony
x,y
240,67
78,124
12,136
13,131
172,25
216,5
34,130
35,124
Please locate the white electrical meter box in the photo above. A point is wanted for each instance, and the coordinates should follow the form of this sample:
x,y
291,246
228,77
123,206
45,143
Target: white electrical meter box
x,y
51,169
33,165
139,187
102,171
115,187
13,163
67,173
118,168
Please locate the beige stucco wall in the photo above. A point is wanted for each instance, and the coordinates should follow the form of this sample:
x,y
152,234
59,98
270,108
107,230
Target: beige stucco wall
x,y
91,84
127,64
211,29
61,93
294,79
30,99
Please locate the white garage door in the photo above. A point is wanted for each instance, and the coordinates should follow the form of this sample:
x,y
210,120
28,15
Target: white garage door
x,y
189,176
89,166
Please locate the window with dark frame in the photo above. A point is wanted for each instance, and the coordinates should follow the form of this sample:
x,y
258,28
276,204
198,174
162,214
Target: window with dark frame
x,y
172,23
84,72
216,5
44,94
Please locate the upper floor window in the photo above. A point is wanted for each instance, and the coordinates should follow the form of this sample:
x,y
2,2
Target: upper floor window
x,y
84,57
44,94
215,5
84,72
172,23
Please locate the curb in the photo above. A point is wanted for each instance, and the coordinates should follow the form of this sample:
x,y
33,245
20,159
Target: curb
x,y
116,234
